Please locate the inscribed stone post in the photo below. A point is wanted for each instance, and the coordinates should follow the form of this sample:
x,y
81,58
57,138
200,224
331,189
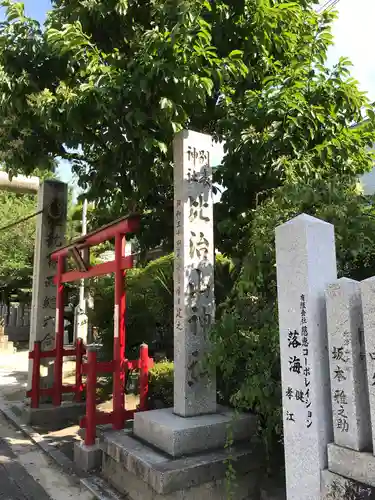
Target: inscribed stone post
x,y
50,234
368,308
351,412
194,387
306,264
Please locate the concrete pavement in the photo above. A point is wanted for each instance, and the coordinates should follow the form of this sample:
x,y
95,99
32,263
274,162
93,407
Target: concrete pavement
x,y
26,473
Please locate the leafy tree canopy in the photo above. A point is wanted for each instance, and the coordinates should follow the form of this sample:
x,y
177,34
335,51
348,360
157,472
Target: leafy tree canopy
x,y
107,84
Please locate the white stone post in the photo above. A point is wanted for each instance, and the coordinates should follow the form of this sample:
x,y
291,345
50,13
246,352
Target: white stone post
x,y
351,412
306,264
368,308
50,234
194,389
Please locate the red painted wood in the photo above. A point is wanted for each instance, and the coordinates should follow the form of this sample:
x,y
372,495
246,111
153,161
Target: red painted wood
x,y
119,336
123,226
91,399
98,270
79,364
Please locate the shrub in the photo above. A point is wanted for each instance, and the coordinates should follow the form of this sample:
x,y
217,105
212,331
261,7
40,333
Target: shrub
x,y
161,385
149,305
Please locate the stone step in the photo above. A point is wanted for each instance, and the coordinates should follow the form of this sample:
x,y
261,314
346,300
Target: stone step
x,y
101,489
131,465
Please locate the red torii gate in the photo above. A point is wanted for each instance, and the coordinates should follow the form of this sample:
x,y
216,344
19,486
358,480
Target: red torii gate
x,y
79,249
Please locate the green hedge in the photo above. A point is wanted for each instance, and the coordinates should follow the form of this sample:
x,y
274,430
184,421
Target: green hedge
x,y
160,391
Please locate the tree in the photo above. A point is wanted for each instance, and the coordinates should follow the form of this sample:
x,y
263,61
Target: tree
x,y
17,242
114,81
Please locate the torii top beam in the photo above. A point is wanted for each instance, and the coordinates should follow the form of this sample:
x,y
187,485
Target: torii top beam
x,y
19,183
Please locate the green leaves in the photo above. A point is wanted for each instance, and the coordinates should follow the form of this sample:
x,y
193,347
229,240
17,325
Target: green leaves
x,y
114,81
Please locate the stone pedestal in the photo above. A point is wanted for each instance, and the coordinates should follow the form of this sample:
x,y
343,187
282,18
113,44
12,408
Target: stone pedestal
x,y
87,458
143,473
47,413
179,436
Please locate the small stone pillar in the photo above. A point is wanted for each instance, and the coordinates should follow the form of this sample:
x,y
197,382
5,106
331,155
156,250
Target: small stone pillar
x,y
351,412
6,346
368,308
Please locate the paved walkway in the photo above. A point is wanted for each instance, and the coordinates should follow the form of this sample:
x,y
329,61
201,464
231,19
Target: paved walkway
x,y
16,483
26,472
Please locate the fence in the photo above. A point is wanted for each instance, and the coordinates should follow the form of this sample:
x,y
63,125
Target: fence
x,y
91,368
118,415
58,388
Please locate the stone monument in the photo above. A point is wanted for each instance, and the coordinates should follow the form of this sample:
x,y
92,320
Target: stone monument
x,y
194,423
306,264
181,451
351,412
50,234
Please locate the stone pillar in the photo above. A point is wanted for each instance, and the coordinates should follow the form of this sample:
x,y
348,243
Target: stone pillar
x,y
306,264
194,389
20,313
13,316
80,324
351,412
26,316
193,425
50,234
368,308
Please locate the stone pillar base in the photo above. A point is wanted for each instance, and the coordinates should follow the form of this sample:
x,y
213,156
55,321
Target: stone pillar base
x,y
180,436
6,346
139,471
54,415
87,458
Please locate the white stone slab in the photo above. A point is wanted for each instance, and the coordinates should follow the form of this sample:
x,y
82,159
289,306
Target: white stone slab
x,y
81,322
306,264
50,234
351,411
194,389
368,308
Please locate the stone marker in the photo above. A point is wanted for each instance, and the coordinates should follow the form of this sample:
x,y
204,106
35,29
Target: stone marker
x,y
306,264
194,390
50,234
351,412
368,308
6,346
80,324
206,427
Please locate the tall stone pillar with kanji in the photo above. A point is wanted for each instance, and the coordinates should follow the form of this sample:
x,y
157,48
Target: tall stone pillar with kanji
x,y
50,234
